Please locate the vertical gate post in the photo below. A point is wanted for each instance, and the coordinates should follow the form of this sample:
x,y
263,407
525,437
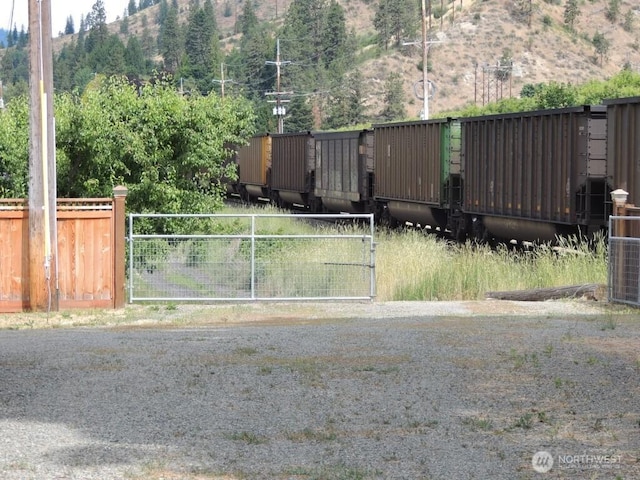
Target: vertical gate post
x,y
619,198
119,246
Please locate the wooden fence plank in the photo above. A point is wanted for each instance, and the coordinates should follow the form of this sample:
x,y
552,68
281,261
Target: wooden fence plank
x,y
86,257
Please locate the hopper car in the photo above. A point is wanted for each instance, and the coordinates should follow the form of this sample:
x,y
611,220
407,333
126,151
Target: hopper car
x,y
526,176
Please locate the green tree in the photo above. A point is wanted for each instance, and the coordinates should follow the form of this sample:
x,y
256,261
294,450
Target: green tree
x,y
601,45
69,29
134,57
395,19
629,20
345,104
335,41
248,21
153,140
201,47
299,115
612,11
14,148
394,98
301,41
556,95
571,13
170,41
132,8
124,26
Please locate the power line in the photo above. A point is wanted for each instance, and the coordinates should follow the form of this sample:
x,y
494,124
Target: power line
x,y
279,110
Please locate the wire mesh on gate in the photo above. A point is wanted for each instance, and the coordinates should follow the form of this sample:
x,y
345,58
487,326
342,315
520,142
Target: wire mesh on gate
x,y
253,258
624,260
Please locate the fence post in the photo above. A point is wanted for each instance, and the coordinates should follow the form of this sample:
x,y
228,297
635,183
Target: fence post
x,y
619,198
119,246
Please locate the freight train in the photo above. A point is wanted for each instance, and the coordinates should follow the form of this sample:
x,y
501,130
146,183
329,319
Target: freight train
x,y
526,176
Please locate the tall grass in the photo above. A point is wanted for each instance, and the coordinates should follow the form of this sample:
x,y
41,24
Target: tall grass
x,y
411,265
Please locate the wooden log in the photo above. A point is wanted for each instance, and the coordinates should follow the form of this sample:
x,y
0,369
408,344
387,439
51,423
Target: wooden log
x,y
590,291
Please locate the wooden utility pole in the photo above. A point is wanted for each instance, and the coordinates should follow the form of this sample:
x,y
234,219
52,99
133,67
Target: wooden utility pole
x,y
425,67
43,273
222,80
279,110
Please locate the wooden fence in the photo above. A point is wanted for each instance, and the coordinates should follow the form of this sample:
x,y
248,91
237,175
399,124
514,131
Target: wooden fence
x,y
90,254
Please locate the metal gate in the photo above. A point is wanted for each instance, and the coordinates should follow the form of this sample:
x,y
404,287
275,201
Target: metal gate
x,y
624,259
251,257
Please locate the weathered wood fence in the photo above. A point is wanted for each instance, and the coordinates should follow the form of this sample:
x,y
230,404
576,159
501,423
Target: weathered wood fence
x,y
90,256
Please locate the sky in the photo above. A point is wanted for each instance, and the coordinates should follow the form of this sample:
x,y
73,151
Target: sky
x,y
60,10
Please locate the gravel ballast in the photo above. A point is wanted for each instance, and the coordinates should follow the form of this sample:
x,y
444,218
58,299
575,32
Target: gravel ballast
x,y
336,391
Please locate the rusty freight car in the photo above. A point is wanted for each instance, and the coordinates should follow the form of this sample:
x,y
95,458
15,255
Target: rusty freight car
x,y
254,165
535,175
623,147
417,171
293,170
344,170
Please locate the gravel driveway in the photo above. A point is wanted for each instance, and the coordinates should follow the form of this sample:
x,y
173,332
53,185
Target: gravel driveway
x,y
395,391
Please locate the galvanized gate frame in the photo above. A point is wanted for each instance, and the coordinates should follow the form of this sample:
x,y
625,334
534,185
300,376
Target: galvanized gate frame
x,y
624,260
367,239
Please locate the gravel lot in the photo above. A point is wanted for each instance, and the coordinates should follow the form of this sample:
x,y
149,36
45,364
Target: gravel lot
x,y
446,390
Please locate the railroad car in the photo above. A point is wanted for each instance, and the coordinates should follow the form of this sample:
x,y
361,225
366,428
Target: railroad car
x,y
526,176
254,168
535,175
344,171
623,148
293,171
417,172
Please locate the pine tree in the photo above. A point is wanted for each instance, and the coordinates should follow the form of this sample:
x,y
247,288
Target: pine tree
x,y
601,44
394,98
571,13
132,8
200,48
345,107
69,29
395,19
299,115
170,43
334,36
134,57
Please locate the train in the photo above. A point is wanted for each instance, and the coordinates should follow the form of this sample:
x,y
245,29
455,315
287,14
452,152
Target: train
x,y
518,177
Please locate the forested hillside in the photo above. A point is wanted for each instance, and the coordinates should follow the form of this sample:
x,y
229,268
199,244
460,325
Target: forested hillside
x,y
344,62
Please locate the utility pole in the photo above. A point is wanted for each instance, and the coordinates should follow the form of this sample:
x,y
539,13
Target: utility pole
x,y
424,115
222,81
43,273
425,84
279,110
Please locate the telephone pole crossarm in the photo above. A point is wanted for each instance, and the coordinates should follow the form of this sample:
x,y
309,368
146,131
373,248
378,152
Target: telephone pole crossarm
x,y
278,110
425,50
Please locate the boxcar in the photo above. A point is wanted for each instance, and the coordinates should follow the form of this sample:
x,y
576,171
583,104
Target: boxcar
x,y
417,170
535,175
623,147
293,170
344,170
254,164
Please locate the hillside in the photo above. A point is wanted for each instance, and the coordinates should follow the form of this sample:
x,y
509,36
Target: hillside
x,y
471,41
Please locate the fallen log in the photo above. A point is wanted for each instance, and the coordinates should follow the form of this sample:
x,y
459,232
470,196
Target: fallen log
x,y
590,291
